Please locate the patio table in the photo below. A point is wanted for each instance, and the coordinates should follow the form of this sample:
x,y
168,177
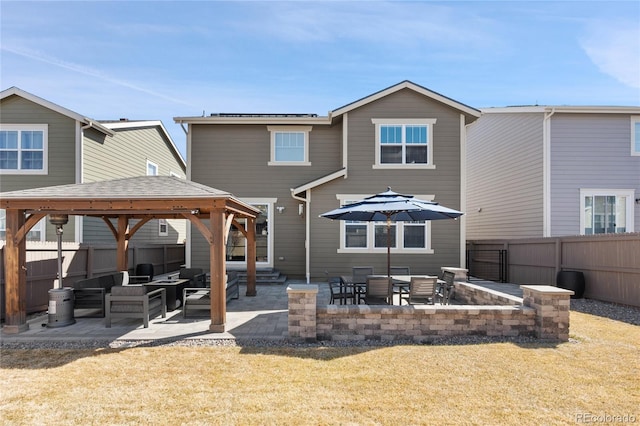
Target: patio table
x,y
173,290
399,282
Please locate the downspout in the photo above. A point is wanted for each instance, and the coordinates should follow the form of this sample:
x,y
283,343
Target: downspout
x,y
463,190
187,245
546,173
79,220
307,231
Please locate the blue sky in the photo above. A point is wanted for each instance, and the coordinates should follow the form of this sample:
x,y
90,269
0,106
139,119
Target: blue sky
x,y
158,60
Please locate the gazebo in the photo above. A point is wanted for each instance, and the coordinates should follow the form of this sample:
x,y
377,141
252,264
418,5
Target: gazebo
x,y
140,199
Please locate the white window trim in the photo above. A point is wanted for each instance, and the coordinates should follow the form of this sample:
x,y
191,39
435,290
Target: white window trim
x,y
299,129
371,232
429,122
151,163
44,128
629,193
635,119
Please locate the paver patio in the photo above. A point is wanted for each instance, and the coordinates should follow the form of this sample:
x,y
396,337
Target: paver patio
x,y
262,317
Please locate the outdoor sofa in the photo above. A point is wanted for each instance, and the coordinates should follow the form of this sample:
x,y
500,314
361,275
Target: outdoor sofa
x,y
199,298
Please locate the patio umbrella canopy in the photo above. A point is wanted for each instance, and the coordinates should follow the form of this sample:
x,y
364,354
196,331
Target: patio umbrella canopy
x,y
390,206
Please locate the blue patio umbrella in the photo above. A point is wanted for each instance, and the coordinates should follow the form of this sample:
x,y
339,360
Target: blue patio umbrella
x,y
390,206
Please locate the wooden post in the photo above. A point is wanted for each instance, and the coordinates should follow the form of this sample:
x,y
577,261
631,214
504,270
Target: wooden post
x,y
15,275
218,271
122,243
251,257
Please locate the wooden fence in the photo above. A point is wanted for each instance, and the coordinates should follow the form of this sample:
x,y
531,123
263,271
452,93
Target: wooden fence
x,y
610,262
83,261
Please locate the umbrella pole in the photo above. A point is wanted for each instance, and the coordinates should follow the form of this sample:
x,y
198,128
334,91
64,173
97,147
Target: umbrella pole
x,y
388,246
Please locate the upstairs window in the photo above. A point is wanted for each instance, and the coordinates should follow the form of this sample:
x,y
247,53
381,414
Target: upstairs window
x,y
163,228
152,169
404,143
289,145
635,135
23,149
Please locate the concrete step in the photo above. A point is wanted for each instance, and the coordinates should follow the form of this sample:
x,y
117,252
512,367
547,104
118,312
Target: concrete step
x,y
264,276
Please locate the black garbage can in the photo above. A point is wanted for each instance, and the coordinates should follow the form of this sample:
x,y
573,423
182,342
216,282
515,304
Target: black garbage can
x,y
571,280
145,269
61,307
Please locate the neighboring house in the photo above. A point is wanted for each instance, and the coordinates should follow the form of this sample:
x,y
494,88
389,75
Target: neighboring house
x,y
44,144
546,171
296,166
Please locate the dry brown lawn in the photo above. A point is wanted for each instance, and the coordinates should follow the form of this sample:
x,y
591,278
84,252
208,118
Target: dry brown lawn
x,y
595,374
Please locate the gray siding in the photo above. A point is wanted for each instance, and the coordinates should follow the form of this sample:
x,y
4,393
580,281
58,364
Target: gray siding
x,y
61,151
589,151
443,182
125,155
234,159
505,176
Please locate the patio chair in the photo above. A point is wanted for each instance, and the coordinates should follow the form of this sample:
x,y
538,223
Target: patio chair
x,y
359,276
135,302
447,287
379,291
196,277
422,289
400,270
340,290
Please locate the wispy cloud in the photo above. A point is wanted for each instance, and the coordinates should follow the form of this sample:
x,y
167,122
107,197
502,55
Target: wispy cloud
x,y
374,22
614,48
88,71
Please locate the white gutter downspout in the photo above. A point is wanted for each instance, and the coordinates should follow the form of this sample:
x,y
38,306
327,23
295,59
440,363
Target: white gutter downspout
x,y
79,220
307,231
187,245
463,191
546,173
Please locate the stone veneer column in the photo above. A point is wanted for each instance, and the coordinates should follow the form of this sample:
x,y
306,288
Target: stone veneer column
x,y
302,312
552,310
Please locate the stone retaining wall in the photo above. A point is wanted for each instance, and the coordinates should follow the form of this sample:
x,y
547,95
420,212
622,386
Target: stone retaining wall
x,y
543,313
471,294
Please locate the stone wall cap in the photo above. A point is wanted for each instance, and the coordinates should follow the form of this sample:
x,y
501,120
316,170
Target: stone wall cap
x,y
547,289
302,288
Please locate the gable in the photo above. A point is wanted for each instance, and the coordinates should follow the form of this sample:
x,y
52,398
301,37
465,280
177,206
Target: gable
x,y
470,113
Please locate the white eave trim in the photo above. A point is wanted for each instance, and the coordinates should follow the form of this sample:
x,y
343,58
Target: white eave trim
x,y
564,109
54,107
320,181
254,120
407,85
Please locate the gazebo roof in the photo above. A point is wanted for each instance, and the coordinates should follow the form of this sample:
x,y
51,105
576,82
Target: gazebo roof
x,y
162,196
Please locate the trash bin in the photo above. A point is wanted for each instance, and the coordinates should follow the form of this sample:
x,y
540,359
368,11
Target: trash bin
x,y
571,280
61,307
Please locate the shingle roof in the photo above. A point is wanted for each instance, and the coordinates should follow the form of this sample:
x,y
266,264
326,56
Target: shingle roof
x,y
141,187
142,196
